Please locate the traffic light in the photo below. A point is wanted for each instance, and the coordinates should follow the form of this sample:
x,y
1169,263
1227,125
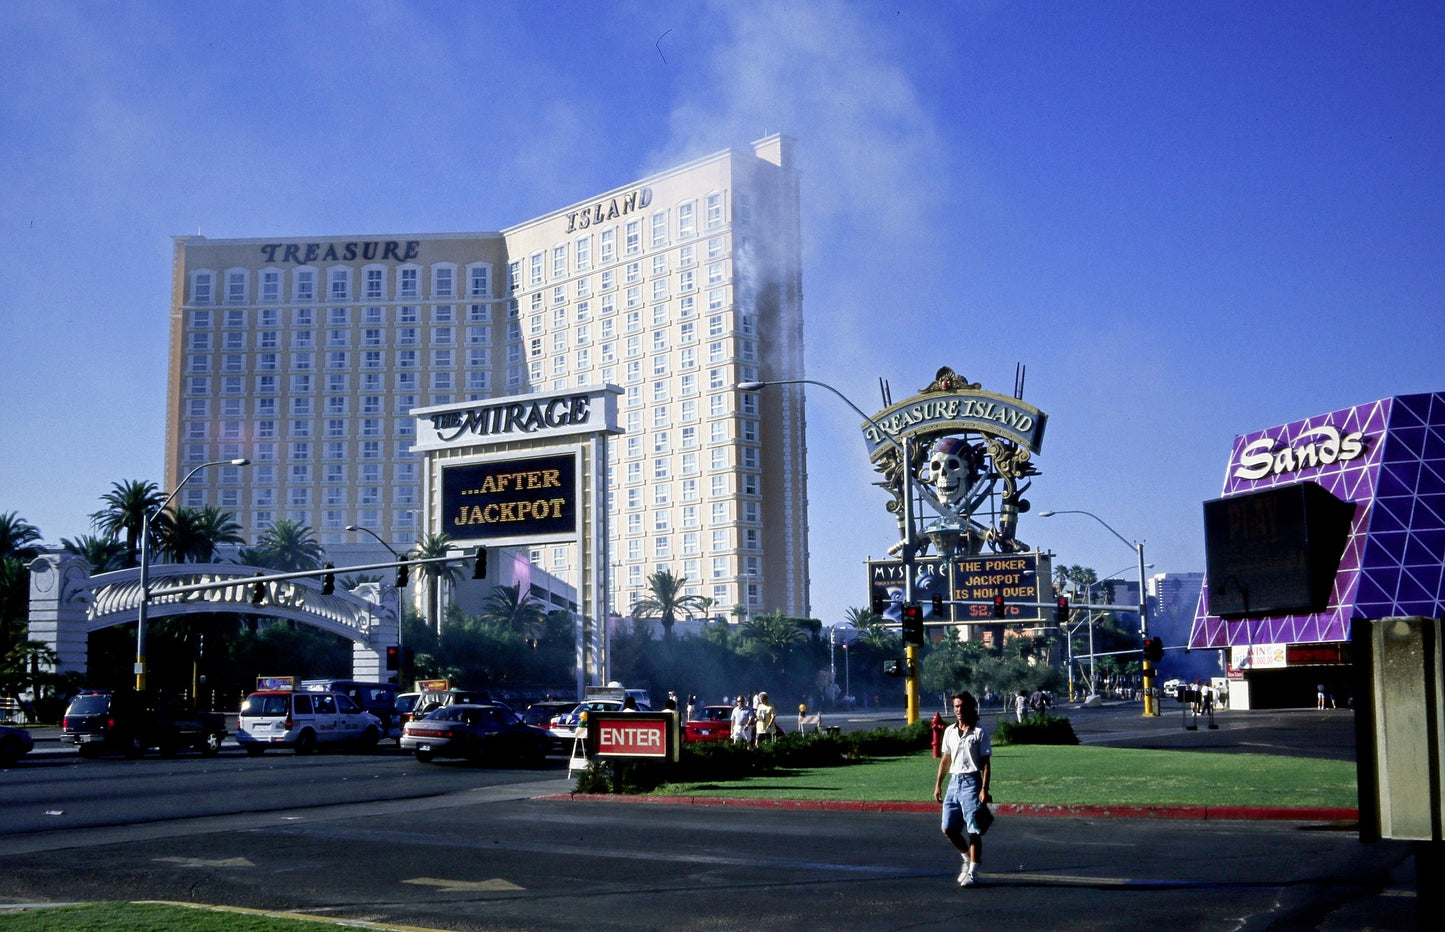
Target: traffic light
x,y
998,607
937,606
393,657
1061,609
880,602
912,623
328,581
258,593
1154,650
479,571
401,576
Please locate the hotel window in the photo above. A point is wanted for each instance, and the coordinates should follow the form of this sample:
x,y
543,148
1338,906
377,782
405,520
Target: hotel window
x,y
443,314
271,286
686,281
406,359
659,368
442,336
479,281
407,282
715,351
584,359
408,314
661,469
514,276
335,427
718,459
235,287
634,295
443,281
304,285
659,442
632,273
201,285
200,342
199,363
689,486
559,294
686,219
750,483
715,248
714,210
340,284
659,228
608,250
536,302
716,299
750,457
534,269
371,336
375,284
559,261
715,273
582,252
689,437
479,313
200,320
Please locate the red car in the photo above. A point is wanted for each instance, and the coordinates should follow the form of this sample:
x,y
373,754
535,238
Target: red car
x,y
713,723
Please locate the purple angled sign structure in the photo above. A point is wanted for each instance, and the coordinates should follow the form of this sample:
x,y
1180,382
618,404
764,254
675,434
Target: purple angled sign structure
x,y
1388,459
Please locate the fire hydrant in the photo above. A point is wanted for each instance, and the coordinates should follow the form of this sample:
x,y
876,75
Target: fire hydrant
x,y
938,729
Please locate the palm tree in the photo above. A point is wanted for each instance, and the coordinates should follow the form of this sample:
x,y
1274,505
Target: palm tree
x,y
102,553
431,546
508,607
287,546
18,538
775,634
192,535
666,600
126,506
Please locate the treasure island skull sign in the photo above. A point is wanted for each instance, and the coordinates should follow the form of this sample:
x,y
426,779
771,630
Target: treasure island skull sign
x,y
533,498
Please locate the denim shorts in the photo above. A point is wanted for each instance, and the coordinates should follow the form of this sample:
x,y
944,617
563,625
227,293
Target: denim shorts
x,y
960,803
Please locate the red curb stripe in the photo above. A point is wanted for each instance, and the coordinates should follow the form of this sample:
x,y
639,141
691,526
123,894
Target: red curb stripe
x,y
1255,813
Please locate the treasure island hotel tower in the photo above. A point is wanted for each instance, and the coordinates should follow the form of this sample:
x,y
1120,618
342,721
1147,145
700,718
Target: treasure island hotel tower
x,y
305,356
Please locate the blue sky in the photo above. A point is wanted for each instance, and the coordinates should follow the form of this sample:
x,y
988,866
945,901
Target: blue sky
x,y
1187,220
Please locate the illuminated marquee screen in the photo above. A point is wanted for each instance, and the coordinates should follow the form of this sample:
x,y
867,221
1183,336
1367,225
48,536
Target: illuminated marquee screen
x,y
534,498
1018,577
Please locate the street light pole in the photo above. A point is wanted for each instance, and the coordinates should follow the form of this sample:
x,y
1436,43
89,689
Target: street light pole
x,y
902,445
143,612
400,644
1151,704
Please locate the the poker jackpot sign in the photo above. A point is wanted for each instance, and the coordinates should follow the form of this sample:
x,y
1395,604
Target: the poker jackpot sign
x,y
533,499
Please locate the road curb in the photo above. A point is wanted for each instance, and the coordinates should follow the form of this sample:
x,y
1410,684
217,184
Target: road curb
x,y
1247,813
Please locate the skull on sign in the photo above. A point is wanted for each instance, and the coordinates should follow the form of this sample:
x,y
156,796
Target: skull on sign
x,y
951,470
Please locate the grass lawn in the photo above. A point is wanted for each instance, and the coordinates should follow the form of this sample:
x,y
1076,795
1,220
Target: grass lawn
x,y
153,917
1072,775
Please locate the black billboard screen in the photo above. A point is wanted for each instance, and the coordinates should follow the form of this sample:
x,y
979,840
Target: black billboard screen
x,y
522,498
1275,551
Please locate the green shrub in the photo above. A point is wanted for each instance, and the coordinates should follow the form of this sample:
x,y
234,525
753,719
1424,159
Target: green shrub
x,y
722,761
1038,728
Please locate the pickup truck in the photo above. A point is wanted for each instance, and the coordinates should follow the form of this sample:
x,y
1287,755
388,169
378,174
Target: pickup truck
x,y
132,723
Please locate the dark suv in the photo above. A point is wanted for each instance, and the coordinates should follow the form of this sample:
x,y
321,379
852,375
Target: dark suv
x,y
132,723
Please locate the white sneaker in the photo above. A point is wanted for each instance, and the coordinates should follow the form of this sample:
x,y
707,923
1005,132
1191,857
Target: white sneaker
x,y
972,880
965,874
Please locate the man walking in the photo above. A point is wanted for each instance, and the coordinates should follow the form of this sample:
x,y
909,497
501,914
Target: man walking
x,y
967,753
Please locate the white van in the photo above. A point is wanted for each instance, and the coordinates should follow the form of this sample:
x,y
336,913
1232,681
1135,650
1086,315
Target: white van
x,y
303,720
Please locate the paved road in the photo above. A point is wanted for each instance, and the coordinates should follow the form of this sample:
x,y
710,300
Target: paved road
x,y
490,854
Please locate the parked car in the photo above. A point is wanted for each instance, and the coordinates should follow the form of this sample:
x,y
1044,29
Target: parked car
x,y
131,723
540,715
406,708
563,728
303,721
377,698
432,700
475,732
15,743
713,723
